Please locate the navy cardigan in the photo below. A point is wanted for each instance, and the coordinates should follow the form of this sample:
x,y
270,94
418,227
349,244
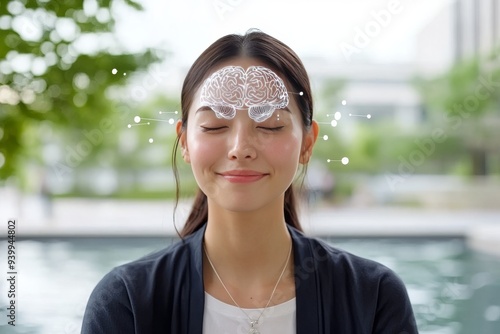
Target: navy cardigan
x,y
336,292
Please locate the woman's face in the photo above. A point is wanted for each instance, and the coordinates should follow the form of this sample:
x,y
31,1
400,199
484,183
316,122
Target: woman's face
x,y
239,163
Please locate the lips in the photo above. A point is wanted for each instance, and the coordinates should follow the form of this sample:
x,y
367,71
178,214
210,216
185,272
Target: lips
x,y
242,176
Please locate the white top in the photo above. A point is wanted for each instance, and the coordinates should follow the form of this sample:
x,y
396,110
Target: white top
x,y
222,318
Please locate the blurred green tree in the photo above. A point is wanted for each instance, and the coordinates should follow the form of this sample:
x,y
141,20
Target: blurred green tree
x,y
57,61
465,102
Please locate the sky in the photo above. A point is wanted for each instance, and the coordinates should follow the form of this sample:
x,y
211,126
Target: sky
x,y
313,28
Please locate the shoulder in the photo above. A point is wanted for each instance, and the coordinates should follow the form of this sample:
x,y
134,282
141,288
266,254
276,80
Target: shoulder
x,y
138,289
165,265
365,290
338,264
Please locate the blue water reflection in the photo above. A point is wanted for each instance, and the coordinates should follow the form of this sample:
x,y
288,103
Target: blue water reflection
x,y
452,289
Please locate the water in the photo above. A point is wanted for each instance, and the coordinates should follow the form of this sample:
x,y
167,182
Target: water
x,y
452,289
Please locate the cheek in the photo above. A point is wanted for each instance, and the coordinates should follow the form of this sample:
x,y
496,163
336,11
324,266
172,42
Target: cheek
x,y
285,151
201,152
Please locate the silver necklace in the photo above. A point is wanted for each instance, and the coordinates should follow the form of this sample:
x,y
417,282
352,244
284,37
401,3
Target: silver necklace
x,y
254,323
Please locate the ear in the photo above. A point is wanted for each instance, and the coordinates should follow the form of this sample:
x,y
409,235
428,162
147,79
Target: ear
x,y
308,143
181,134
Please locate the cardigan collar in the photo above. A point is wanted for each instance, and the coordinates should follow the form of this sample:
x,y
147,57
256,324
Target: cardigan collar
x,y
306,286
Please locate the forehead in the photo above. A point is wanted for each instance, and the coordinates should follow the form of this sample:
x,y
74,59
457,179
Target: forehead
x,y
260,78
245,63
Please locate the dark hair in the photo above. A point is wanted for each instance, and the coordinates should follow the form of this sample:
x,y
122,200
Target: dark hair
x,y
278,56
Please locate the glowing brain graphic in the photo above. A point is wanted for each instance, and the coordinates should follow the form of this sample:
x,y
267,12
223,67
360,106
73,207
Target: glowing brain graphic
x,y
231,88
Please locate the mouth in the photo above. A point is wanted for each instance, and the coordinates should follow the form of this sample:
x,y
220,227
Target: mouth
x,y
242,176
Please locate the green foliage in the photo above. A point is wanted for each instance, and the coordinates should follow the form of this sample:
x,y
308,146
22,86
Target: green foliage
x,y
465,102
47,78
471,85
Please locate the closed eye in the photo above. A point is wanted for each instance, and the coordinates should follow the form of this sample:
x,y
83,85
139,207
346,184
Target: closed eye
x,y
207,129
271,129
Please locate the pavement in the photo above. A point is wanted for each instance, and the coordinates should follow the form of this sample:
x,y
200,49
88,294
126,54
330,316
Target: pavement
x,y
81,217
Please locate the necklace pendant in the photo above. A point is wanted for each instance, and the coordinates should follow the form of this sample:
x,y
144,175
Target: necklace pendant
x,y
253,327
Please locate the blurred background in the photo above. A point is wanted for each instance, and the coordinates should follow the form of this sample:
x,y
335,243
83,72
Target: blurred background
x,y
407,91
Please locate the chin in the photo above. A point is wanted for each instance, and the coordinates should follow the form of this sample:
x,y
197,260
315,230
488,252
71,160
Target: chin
x,y
244,207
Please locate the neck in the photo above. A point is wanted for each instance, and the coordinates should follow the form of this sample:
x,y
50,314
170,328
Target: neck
x,y
248,246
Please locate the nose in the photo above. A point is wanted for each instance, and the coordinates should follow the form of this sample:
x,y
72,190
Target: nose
x,y
242,145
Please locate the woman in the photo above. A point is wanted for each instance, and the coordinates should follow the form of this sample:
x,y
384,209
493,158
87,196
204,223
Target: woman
x,y
243,265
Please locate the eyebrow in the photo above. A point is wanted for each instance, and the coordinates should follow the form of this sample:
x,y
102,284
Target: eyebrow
x,y
203,108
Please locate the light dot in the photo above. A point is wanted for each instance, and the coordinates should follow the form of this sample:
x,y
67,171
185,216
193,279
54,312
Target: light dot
x,y
114,71
368,116
325,137
344,102
350,114
492,313
337,115
333,123
151,140
129,126
176,112
124,74
345,160
171,121
301,93
137,119
328,160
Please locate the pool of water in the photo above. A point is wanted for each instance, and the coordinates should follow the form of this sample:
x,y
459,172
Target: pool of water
x,y
452,289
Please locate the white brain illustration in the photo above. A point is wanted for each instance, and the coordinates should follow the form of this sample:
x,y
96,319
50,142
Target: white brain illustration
x,y
258,88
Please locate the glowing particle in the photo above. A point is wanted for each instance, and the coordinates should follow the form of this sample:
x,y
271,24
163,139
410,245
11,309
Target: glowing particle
x,y
168,112
344,160
137,119
151,140
325,137
333,123
301,93
344,102
114,71
171,121
124,74
492,313
367,116
337,115
129,126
